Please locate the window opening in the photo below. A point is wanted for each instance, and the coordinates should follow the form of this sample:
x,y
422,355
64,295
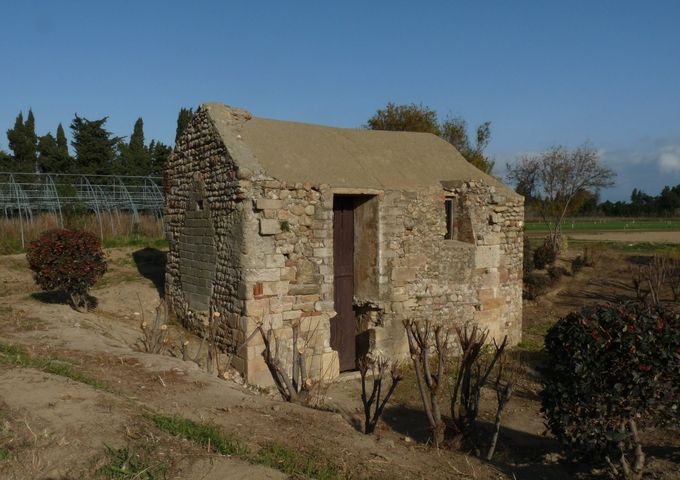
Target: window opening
x,y
450,207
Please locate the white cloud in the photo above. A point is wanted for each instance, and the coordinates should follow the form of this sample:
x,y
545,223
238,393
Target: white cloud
x,y
669,159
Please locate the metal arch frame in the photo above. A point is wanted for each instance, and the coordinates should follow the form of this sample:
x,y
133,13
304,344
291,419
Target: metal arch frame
x,y
23,194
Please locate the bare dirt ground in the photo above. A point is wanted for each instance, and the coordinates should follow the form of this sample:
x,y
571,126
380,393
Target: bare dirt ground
x,y
56,427
629,237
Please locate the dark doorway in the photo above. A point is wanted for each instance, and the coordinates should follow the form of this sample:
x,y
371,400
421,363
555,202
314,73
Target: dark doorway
x,y
343,326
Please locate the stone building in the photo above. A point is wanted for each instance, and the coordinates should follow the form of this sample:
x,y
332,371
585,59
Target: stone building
x,y
348,232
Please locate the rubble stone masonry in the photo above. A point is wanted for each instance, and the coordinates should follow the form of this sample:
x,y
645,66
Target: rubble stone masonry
x,y
257,249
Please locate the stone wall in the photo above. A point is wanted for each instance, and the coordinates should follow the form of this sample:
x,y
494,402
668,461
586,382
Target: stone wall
x,y
201,171
476,277
197,256
289,274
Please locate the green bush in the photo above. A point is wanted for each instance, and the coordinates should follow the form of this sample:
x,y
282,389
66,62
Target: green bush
x,y
544,255
611,370
68,261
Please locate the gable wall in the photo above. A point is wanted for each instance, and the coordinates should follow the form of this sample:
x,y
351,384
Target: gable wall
x,y
204,264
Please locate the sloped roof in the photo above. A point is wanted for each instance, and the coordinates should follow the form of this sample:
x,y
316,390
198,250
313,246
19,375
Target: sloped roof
x,y
341,157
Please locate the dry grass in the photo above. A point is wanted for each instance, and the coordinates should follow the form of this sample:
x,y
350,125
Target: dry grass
x,y
114,228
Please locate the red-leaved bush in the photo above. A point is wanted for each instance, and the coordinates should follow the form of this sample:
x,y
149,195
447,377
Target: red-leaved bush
x,y
69,261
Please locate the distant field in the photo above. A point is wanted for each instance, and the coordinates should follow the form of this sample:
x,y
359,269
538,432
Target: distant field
x,y
607,224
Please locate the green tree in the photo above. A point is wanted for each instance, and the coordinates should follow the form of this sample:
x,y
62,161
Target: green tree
x,y
51,158
6,162
135,158
23,143
421,118
159,155
454,131
405,118
94,146
183,119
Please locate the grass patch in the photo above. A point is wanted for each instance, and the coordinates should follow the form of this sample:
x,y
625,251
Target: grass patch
x,y
295,463
273,455
203,434
125,464
4,454
17,356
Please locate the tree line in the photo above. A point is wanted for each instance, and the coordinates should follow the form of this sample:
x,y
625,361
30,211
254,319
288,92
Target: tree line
x,y
95,150
666,203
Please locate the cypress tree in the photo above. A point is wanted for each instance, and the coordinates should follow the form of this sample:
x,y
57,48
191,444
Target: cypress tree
x,y
159,155
31,141
62,144
135,158
183,119
51,158
23,142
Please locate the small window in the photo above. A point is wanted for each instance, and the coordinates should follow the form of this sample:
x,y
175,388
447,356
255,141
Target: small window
x,y
199,205
450,205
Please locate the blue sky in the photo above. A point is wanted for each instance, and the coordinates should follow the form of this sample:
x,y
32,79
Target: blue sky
x,y
543,72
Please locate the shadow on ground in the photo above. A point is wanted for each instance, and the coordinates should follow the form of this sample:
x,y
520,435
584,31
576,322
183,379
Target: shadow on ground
x,y
519,454
60,297
150,263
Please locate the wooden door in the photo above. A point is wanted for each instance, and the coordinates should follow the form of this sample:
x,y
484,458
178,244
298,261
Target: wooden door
x,y
343,326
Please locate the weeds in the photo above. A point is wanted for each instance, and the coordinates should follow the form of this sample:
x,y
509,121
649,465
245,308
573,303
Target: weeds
x,y
125,464
14,355
154,336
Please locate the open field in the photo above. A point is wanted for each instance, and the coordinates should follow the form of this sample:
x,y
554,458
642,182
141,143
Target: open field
x,y
578,225
79,400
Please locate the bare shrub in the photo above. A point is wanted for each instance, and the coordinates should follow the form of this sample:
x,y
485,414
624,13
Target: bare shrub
x,y
637,278
293,387
592,254
373,403
656,277
649,280
673,277
210,360
504,387
154,337
424,341
474,368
